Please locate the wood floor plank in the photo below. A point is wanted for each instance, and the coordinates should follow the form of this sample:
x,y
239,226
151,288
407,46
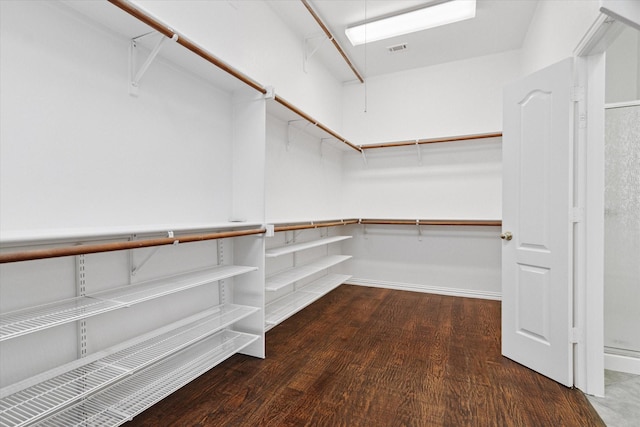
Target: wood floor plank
x,y
377,357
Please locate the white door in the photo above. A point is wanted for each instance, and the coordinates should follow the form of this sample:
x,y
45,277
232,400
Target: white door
x,y
537,227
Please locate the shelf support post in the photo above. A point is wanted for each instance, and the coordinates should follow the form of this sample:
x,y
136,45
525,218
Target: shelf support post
x,y
81,290
222,285
419,152
419,230
134,77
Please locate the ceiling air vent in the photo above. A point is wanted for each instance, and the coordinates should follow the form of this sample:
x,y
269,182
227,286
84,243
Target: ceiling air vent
x,y
397,48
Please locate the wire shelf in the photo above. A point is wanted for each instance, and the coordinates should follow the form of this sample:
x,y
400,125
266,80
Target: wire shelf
x,y
326,284
51,395
22,322
282,250
290,304
122,401
287,277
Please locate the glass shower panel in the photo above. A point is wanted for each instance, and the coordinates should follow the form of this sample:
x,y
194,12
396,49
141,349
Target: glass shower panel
x,y
622,231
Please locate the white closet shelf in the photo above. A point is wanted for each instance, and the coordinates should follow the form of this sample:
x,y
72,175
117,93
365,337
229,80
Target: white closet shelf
x,y
37,398
121,402
40,236
283,250
287,277
22,322
285,307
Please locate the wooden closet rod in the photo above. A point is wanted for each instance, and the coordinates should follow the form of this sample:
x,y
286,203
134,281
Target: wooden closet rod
x,y
433,140
333,39
193,47
314,121
168,32
314,225
118,246
469,222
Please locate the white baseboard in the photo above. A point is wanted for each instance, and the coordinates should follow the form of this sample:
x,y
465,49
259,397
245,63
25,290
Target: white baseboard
x,y
467,293
617,362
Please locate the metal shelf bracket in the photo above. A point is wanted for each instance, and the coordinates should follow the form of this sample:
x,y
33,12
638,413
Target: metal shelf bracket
x,y
419,152
309,50
136,268
290,134
364,156
364,229
419,230
322,142
297,233
136,76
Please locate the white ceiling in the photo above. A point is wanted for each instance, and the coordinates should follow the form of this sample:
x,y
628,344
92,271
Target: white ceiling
x,y
499,25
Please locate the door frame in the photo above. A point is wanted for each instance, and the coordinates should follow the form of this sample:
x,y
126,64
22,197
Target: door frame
x,y
589,193
589,233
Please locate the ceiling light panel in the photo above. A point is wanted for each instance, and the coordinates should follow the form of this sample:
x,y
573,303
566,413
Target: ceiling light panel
x,y
410,22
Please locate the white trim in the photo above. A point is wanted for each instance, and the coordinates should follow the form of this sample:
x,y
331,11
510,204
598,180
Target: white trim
x,y
599,36
592,308
467,293
580,294
622,104
617,362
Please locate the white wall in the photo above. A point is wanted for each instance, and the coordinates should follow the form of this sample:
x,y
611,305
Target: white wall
x,y
303,176
77,151
456,98
252,38
455,180
555,31
461,261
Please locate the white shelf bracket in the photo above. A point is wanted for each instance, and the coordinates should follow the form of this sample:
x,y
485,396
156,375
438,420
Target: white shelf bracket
x,y
136,268
364,156
136,76
419,230
310,50
271,230
322,142
271,92
419,152
364,229
294,236
291,132
297,234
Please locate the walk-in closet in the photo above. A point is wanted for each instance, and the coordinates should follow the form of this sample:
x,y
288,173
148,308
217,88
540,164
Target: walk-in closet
x,y
238,213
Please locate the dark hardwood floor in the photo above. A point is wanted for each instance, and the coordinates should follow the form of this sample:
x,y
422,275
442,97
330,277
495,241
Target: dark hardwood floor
x,y
377,357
